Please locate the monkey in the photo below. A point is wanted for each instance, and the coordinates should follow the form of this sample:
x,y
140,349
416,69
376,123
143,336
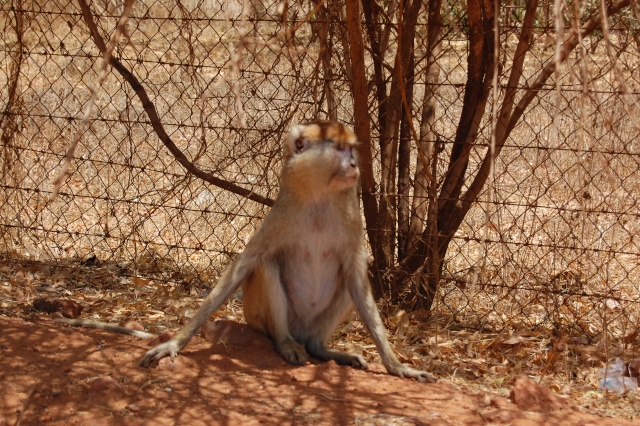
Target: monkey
x,y
305,268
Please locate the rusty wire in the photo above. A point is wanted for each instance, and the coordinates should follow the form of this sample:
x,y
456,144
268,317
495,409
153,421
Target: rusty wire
x,y
558,240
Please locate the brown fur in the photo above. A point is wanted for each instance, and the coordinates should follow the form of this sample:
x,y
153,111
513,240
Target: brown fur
x,y
306,267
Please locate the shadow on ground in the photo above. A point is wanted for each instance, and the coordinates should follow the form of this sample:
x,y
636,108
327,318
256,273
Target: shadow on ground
x,y
54,374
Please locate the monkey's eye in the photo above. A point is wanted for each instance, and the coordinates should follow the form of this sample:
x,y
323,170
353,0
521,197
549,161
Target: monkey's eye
x,y
342,147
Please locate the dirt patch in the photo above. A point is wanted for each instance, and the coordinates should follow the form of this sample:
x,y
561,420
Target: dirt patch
x,y
58,375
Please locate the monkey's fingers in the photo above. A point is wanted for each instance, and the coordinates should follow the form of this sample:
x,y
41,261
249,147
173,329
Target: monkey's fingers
x,y
412,373
353,360
153,356
425,377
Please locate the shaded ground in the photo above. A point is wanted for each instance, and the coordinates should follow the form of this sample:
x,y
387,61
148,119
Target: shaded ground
x,y
59,375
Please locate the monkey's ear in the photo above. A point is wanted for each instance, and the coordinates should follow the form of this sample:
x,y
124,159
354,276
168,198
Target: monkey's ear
x,y
298,140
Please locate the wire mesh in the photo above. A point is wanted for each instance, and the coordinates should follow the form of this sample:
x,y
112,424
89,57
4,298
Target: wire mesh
x,y
556,250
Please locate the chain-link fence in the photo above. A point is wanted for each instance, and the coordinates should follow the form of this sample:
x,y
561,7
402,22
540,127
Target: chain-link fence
x,y
551,242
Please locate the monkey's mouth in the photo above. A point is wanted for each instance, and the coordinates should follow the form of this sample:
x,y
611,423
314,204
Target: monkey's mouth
x,y
344,178
347,180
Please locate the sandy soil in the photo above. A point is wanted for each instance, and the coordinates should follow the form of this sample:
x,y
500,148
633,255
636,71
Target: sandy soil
x,y
59,375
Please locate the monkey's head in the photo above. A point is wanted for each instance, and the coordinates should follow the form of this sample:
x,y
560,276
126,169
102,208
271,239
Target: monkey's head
x,y
321,156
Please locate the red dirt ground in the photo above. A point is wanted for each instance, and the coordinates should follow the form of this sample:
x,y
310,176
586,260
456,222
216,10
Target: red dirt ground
x,y
58,375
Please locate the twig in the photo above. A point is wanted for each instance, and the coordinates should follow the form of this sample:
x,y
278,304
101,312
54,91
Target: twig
x,y
617,72
154,118
16,54
25,405
389,418
153,381
107,53
330,398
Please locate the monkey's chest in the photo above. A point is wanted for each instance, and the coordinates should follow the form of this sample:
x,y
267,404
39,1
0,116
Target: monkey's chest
x,y
312,277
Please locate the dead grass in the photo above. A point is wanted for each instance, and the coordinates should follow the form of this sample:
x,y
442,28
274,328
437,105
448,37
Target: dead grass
x,y
479,360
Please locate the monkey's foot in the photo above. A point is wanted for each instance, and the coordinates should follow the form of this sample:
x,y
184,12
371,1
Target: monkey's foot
x,y
292,352
352,360
411,373
151,358
340,357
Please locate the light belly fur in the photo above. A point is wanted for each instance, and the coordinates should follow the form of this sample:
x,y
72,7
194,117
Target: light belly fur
x,y
311,277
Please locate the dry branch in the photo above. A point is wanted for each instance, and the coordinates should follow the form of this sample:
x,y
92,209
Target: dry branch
x,y
156,124
7,122
508,120
107,52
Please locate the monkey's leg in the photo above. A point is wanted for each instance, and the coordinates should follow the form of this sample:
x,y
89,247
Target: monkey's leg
x,y
229,282
324,326
360,290
266,308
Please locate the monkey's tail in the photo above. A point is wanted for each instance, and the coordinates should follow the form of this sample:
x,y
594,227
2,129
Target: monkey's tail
x,y
104,326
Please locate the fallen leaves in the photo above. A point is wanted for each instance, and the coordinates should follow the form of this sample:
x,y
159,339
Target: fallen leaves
x,y
432,342
68,308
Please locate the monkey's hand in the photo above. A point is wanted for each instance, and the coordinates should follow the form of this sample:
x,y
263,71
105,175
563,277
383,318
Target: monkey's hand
x,y
151,358
401,370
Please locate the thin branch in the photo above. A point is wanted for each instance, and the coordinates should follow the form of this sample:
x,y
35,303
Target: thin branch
x,y
627,101
152,113
491,154
25,405
402,83
16,53
369,7
568,45
9,118
423,211
508,121
107,52
479,77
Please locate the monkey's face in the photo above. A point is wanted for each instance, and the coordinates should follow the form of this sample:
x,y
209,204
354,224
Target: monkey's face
x,y
346,172
322,156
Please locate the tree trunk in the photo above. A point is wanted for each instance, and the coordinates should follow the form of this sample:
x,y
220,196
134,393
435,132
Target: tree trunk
x,y
425,184
381,260
432,219
406,75
449,214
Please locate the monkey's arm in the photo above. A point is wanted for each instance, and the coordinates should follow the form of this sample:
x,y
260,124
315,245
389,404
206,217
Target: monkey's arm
x,y
104,326
365,305
229,282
